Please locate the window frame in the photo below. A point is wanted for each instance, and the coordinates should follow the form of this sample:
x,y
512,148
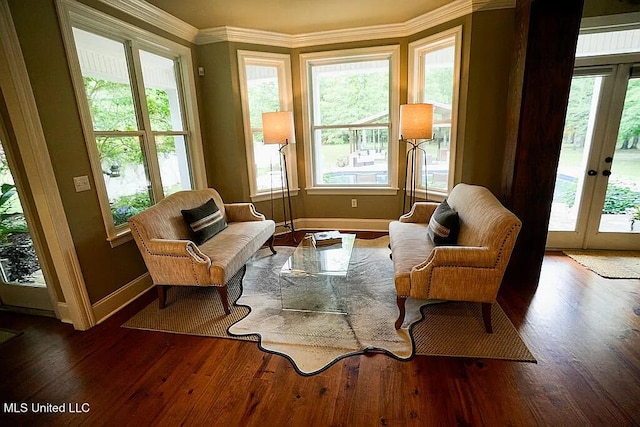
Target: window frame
x,y
282,62
73,14
390,52
417,49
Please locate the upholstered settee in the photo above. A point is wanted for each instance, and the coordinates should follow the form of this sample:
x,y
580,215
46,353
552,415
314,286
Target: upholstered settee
x,y
470,270
166,242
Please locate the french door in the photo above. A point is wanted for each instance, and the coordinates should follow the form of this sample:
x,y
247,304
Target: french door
x,y
596,202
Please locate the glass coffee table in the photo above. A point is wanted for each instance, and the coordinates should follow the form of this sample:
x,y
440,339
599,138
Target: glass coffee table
x,y
315,279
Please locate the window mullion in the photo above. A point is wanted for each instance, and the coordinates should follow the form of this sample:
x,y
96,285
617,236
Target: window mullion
x,y
148,140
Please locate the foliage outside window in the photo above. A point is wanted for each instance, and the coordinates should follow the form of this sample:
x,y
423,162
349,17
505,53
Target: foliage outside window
x,y
265,81
434,77
18,260
135,99
351,106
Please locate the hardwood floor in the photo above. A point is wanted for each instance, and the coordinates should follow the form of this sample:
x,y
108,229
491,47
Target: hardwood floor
x,y
584,331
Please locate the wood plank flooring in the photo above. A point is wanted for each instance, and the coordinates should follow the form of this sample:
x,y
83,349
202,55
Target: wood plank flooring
x,y
584,331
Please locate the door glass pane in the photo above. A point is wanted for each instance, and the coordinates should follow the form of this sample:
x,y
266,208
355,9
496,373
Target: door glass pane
x,y
161,91
621,210
438,72
578,133
263,91
18,260
106,79
174,166
125,176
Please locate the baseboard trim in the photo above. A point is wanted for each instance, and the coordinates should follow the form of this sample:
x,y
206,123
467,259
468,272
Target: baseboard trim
x,y
112,303
347,224
62,311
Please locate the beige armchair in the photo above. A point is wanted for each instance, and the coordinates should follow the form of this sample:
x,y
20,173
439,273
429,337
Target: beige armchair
x,y
174,259
472,270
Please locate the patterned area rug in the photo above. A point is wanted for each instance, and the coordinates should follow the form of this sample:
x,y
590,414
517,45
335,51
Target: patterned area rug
x,y
609,264
314,341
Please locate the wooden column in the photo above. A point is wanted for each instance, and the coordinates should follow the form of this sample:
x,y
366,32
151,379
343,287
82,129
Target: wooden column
x,y
544,55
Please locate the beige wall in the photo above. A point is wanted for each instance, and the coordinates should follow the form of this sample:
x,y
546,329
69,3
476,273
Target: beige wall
x,y
489,62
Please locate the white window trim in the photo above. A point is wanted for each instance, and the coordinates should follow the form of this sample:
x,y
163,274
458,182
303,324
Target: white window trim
x,y
392,52
415,90
283,64
72,13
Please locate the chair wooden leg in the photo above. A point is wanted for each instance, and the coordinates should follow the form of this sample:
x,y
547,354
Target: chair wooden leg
x,y
271,239
162,295
224,297
486,317
401,302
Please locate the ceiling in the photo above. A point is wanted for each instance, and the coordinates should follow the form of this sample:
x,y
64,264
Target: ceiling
x,y
296,16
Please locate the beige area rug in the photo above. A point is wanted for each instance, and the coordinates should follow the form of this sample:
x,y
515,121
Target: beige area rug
x,y
314,341
609,264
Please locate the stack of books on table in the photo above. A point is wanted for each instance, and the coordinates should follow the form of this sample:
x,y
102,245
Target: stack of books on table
x,y
326,238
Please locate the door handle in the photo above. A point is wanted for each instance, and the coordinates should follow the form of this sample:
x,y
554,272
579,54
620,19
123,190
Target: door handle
x,y
606,172
592,172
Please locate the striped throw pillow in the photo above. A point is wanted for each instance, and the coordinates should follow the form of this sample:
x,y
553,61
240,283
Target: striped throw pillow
x,y
204,221
444,225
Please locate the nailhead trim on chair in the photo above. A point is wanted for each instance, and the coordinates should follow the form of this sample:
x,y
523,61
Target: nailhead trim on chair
x,y
193,270
509,233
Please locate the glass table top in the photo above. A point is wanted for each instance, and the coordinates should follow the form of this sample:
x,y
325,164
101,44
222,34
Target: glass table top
x,y
315,278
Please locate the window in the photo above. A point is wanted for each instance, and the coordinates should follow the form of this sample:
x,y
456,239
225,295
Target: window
x,y
265,82
351,109
434,71
141,132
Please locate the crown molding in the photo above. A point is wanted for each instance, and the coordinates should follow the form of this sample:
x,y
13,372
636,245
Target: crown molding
x,y
482,5
151,14
147,12
243,35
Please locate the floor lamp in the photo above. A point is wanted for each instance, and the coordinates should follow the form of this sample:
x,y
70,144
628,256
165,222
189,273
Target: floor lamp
x,y
277,128
416,122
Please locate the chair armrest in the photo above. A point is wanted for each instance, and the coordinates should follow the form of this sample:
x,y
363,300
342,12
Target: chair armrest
x,y
177,248
242,212
459,256
420,212
177,262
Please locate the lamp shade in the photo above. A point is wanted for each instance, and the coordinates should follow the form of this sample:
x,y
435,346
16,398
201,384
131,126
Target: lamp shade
x,y
416,121
277,127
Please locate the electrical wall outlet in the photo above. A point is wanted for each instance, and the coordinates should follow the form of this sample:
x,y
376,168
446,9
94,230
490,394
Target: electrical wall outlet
x,y
354,203
81,183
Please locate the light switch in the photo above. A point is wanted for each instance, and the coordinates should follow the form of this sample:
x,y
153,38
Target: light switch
x,y
81,183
